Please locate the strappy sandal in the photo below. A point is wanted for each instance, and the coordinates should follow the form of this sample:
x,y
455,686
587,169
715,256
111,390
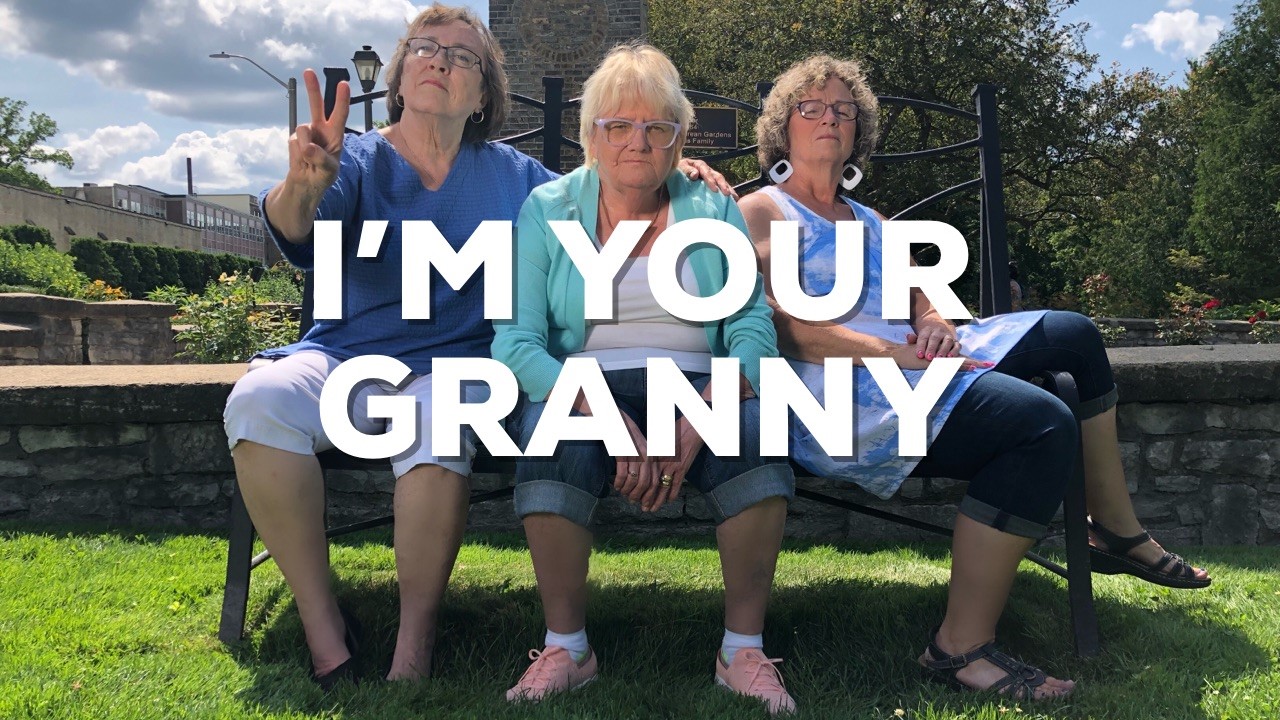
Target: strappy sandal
x,y
1019,683
1170,570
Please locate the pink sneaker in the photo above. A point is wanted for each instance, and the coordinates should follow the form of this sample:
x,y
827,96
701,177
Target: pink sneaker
x,y
755,675
552,671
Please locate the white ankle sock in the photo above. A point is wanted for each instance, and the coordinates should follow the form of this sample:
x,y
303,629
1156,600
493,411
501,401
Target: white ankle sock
x,y
575,643
733,642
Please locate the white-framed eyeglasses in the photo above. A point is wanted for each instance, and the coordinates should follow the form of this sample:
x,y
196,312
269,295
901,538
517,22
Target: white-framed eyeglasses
x,y
457,55
660,134
814,109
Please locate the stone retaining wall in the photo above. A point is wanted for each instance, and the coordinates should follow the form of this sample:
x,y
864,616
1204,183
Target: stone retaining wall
x,y
45,330
143,446
1140,332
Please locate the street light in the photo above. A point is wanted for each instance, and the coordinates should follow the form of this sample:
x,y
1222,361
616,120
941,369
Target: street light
x,y
368,65
290,87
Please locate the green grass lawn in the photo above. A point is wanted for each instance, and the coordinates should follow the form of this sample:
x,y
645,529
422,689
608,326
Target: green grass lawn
x,y
114,625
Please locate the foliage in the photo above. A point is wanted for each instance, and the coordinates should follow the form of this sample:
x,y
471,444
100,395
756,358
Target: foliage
x,y
225,323
99,291
126,262
1186,323
1112,335
1237,93
21,146
39,266
281,283
92,259
28,235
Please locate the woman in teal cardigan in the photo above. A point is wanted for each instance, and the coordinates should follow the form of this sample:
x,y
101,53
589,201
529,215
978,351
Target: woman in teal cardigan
x,y
634,118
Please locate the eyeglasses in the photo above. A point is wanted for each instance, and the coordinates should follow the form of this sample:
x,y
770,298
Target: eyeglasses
x,y
457,55
814,109
660,134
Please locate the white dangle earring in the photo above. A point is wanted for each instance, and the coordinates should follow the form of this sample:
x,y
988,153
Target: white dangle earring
x,y
780,171
851,176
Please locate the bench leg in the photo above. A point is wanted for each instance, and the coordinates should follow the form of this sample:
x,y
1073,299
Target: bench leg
x,y
235,597
1084,620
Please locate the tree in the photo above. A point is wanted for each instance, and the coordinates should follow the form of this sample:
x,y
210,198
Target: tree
x,y
20,146
1235,217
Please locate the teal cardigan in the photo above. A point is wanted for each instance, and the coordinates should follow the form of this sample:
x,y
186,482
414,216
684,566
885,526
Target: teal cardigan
x,y
549,321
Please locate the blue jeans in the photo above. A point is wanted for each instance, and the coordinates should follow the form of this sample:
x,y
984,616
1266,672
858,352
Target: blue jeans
x,y
1015,442
572,482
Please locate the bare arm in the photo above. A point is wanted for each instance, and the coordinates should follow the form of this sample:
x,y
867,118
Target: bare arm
x,y
315,153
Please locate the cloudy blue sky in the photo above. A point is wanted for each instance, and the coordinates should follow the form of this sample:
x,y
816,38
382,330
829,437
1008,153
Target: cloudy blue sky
x,y
134,92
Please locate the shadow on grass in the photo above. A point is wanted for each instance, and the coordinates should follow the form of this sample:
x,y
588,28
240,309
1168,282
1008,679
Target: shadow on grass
x,y
849,646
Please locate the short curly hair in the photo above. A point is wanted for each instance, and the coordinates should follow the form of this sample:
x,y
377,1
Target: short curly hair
x,y
815,71
491,65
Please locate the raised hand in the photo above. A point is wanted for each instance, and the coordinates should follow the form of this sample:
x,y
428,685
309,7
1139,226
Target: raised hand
x,y
315,150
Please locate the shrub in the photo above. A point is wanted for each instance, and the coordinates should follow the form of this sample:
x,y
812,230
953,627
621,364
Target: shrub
x,y
191,271
6,235
1186,324
281,283
92,259
30,235
127,263
224,323
167,261
149,275
39,266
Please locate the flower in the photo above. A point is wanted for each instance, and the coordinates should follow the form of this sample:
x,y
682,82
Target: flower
x,y
1262,315
1213,303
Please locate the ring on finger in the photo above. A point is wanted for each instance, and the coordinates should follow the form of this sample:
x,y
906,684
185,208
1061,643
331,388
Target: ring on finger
x,y
666,480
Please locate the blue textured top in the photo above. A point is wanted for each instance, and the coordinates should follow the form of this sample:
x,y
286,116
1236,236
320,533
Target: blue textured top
x,y
488,181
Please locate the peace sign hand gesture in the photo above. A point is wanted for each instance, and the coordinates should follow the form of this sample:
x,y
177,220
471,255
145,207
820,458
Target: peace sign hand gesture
x,y
315,150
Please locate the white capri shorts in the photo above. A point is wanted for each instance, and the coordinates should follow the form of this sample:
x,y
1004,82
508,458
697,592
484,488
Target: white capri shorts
x,y
277,404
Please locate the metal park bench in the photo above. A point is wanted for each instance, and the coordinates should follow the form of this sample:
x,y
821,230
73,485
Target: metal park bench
x,y
994,299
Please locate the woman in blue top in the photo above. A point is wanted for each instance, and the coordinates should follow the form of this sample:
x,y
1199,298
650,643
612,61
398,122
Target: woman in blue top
x,y
633,124
1014,442
446,95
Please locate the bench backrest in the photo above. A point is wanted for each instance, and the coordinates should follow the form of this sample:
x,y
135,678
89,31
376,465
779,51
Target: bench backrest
x,y
993,254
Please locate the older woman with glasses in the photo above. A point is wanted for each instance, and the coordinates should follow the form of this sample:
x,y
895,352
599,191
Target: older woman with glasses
x,y
1015,443
446,96
634,120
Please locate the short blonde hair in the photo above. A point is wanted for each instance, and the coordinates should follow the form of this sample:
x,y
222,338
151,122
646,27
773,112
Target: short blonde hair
x,y
634,72
814,72
494,74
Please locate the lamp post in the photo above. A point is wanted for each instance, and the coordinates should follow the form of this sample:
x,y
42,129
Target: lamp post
x,y
290,87
368,65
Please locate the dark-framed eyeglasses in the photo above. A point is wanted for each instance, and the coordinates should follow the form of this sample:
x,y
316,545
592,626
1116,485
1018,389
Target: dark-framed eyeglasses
x,y
457,55
660,134
814,109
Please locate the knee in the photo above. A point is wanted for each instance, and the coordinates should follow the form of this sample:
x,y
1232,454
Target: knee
x,y
252,395
1071,329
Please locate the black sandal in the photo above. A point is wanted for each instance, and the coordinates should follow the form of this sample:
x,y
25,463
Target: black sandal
x,y
1170,570
350,668
1019,682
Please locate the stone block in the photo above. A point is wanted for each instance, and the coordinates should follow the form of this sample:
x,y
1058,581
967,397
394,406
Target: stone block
x,y
71,505
912,488
1269,511
176,491
615,510
1160,455
1260,416
493,515
349,481
1166,419
11,504
1254,458
1176,483
1131,459
1191,513
35,438
863,527
1154,508
86,464
15,468
1232,517
6,434
199,447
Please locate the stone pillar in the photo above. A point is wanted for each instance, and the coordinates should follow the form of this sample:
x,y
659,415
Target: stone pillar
x,y
559,37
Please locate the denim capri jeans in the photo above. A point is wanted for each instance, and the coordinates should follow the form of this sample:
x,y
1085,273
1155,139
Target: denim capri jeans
x,y
572,482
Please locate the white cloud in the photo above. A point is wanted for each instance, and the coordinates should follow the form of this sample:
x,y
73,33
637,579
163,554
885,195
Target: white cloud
x,y
230,160
92,153
1184,31
1176,4
290,53
11,38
